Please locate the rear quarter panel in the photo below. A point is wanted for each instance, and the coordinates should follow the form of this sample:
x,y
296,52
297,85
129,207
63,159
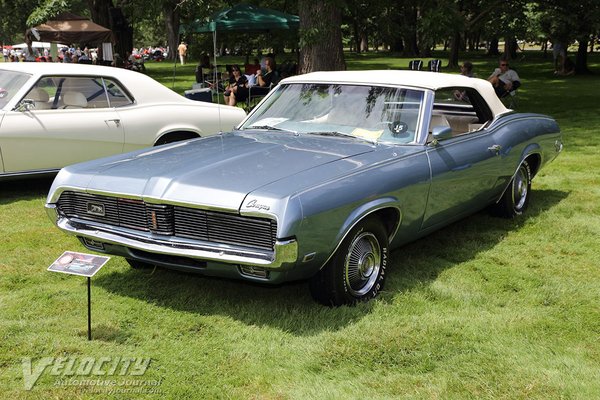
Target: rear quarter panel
x,y
523,135
145,124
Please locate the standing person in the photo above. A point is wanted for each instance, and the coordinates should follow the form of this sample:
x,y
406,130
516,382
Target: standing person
x,y
504,79
182,49
558,55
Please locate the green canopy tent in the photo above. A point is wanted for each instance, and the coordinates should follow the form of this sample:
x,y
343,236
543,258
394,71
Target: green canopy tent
x,y
242,18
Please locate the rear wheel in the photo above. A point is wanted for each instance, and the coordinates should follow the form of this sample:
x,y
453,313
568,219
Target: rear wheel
x,y
356,272
515,199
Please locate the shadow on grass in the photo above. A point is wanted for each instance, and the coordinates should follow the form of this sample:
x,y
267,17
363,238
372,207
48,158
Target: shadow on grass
x,y
290,308
24,189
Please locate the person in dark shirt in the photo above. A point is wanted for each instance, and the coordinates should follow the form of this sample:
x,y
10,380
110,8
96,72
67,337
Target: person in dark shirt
x,y
266,79
238,87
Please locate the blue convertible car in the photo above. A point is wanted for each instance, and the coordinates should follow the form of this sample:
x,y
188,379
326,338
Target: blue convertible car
x,y
328,174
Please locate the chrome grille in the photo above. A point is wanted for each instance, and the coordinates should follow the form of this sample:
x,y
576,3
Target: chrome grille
x,y
224,228
171,220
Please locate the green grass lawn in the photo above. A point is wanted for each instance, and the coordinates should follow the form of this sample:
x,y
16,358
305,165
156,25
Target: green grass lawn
x,y
485,308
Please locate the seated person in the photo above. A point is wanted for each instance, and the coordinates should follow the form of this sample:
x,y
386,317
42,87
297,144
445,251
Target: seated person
x,y
267,78
264,80
238,87
204,69
504,79
466,69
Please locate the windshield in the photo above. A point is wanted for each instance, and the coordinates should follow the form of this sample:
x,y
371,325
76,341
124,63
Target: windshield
x,y
375,113
10,83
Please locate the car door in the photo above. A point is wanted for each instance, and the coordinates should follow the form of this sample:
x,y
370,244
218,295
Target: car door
x,y
71,121
464,167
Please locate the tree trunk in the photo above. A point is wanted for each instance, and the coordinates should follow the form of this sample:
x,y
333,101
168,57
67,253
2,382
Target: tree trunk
x,y
122,32
411,42
581,60
320,36
510,47
493,49
99,11
105,14
397,45
172,24
356,36
454,47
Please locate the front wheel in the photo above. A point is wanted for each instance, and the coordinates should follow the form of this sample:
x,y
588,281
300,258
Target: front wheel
x,y
356,271
515,199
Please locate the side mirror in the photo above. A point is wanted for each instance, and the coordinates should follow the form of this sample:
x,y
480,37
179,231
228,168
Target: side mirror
x,y
441,132
26,105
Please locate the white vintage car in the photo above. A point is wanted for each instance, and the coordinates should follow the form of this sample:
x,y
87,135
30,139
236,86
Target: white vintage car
x,y
53,115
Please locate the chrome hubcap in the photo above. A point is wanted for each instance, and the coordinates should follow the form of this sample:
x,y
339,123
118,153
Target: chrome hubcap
x,y
520,188
363,263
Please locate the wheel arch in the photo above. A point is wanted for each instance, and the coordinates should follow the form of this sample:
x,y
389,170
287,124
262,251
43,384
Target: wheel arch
x,y
175,136
535,161
386,210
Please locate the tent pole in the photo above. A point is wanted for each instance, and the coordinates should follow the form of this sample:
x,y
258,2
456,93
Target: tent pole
x,y
216,70
175,64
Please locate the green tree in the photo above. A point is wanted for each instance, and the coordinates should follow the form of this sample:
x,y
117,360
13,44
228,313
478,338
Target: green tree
x,y
13,19
566,21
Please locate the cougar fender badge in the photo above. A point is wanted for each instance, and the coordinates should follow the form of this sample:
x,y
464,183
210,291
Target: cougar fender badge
x,y
96,209
254,204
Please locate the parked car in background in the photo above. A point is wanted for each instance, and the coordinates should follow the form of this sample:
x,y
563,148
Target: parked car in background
x,y
54,114
322,180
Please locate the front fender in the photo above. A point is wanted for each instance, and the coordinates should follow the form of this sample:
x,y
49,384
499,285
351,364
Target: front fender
x,y
364,211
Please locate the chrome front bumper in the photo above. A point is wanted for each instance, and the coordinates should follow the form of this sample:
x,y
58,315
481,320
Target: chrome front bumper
x,y
284,255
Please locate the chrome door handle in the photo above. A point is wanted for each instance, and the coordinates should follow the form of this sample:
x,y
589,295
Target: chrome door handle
x,y
116,121
495,148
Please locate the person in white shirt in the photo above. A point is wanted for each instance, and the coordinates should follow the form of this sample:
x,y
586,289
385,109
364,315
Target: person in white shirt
x,y
504,79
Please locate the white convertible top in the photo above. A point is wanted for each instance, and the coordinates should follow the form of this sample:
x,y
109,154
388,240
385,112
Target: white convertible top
x,y
417,79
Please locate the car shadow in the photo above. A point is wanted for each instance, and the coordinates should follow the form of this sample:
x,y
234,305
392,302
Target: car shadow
x,y
289,307
24,189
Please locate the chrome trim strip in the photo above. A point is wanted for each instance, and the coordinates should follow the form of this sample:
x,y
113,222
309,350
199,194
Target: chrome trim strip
x,y
32,172
286,252
148,199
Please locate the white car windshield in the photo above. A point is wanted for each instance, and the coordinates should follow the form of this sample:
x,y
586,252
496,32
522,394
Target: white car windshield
x,y
374,113
10,83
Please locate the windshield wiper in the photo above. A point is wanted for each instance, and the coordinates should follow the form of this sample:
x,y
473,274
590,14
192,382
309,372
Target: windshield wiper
x,y
341,134
269,128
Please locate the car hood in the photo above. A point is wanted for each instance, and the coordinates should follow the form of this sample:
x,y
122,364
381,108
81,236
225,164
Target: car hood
x,y
216,172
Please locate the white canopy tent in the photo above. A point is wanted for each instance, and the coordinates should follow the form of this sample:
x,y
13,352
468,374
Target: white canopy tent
x,y
37,45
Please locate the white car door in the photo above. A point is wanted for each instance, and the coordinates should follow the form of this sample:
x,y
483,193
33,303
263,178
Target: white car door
x,y
71,122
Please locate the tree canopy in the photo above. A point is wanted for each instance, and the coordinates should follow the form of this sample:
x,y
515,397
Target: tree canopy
x,y
410,28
